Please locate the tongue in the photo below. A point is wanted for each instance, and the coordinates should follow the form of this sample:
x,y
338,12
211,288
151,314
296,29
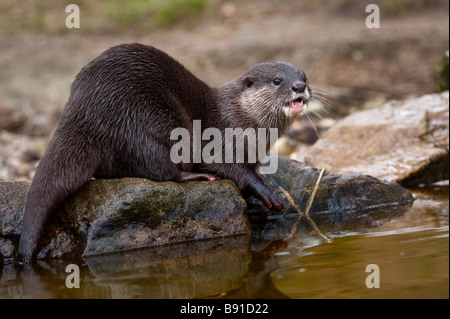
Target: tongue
x,y
296,105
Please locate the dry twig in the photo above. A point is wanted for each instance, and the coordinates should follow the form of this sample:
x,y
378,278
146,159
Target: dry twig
x,y
308,207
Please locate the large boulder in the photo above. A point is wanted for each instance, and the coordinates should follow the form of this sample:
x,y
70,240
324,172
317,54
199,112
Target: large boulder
x,y
106,216
405,142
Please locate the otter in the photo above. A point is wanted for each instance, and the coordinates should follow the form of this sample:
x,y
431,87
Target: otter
x,y
119,115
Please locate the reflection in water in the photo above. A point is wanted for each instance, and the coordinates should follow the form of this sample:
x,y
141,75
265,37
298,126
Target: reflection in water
x,y
195,270
190,270
411,252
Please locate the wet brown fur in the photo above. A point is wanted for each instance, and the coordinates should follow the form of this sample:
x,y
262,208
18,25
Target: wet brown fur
x,y
117,123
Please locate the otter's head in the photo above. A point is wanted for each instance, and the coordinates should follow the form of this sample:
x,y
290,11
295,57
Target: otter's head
x,y
274,93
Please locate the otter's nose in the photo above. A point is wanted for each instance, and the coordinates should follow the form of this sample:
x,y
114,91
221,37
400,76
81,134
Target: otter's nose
x,y
299,87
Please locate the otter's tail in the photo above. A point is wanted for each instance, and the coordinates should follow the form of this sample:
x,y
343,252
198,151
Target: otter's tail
x,y
60,173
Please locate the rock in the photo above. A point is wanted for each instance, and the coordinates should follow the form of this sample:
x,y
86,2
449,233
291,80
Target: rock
x,y
7,248
405,142
107,216
13,196
342,202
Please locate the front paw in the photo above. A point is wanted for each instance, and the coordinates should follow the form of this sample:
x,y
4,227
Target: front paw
x,y
272,201
267,195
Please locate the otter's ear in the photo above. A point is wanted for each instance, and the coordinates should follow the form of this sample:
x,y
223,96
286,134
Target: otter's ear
x,y
247,81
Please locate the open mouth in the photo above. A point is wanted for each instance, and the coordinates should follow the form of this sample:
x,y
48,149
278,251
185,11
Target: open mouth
x,y
296,107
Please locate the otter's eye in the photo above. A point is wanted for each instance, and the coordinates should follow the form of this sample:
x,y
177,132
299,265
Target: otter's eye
x,y
277,81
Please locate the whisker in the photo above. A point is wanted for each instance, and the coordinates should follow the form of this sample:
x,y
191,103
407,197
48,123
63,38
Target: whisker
x,y
317,114
314,75
321,105
313,124
318,89
321,95
322,98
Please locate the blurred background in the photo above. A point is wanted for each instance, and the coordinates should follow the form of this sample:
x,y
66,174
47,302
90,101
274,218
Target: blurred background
x,y
357,67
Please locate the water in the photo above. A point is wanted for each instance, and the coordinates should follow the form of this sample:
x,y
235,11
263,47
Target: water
x,y
411,265
411,253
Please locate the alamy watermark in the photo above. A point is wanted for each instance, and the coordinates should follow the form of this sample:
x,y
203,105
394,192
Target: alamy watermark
x,y
373,19
73,280
373,280
236,143
73,19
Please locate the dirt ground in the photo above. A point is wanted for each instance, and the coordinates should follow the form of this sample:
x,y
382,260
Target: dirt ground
x,y
356,66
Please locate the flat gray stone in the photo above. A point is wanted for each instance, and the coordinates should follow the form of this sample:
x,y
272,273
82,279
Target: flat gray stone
x,y
405,142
